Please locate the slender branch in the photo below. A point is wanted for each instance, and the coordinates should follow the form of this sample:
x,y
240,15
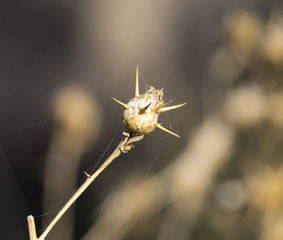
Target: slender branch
x,y
123,147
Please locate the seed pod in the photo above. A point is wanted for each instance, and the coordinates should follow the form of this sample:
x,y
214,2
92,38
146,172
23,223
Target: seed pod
x,y
141,113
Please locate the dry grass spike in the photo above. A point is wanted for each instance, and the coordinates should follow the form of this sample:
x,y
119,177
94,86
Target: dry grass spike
x,y
141,112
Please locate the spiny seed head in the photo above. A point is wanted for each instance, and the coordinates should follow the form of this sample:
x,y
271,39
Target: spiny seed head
x,y
141,113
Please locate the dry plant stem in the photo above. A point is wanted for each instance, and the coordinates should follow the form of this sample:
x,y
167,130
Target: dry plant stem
x,y
31,227
123,147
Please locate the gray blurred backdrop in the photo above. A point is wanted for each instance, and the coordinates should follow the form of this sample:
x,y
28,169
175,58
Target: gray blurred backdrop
x,y
60,63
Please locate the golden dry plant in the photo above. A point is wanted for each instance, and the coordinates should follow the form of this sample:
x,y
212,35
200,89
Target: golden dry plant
x,y
78,123
140,117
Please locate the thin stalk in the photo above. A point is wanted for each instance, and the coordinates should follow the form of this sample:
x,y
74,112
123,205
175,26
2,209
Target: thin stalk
x,y
31,227
123,147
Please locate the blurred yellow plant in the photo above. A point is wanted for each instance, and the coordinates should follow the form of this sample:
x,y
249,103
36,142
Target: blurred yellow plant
x,y
267,192
245,29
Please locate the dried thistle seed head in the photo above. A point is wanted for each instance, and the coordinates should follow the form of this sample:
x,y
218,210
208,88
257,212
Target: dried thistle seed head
x,y
141,113
141,116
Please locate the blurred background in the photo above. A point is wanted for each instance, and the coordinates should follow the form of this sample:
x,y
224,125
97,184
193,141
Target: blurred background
x,y
61,61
